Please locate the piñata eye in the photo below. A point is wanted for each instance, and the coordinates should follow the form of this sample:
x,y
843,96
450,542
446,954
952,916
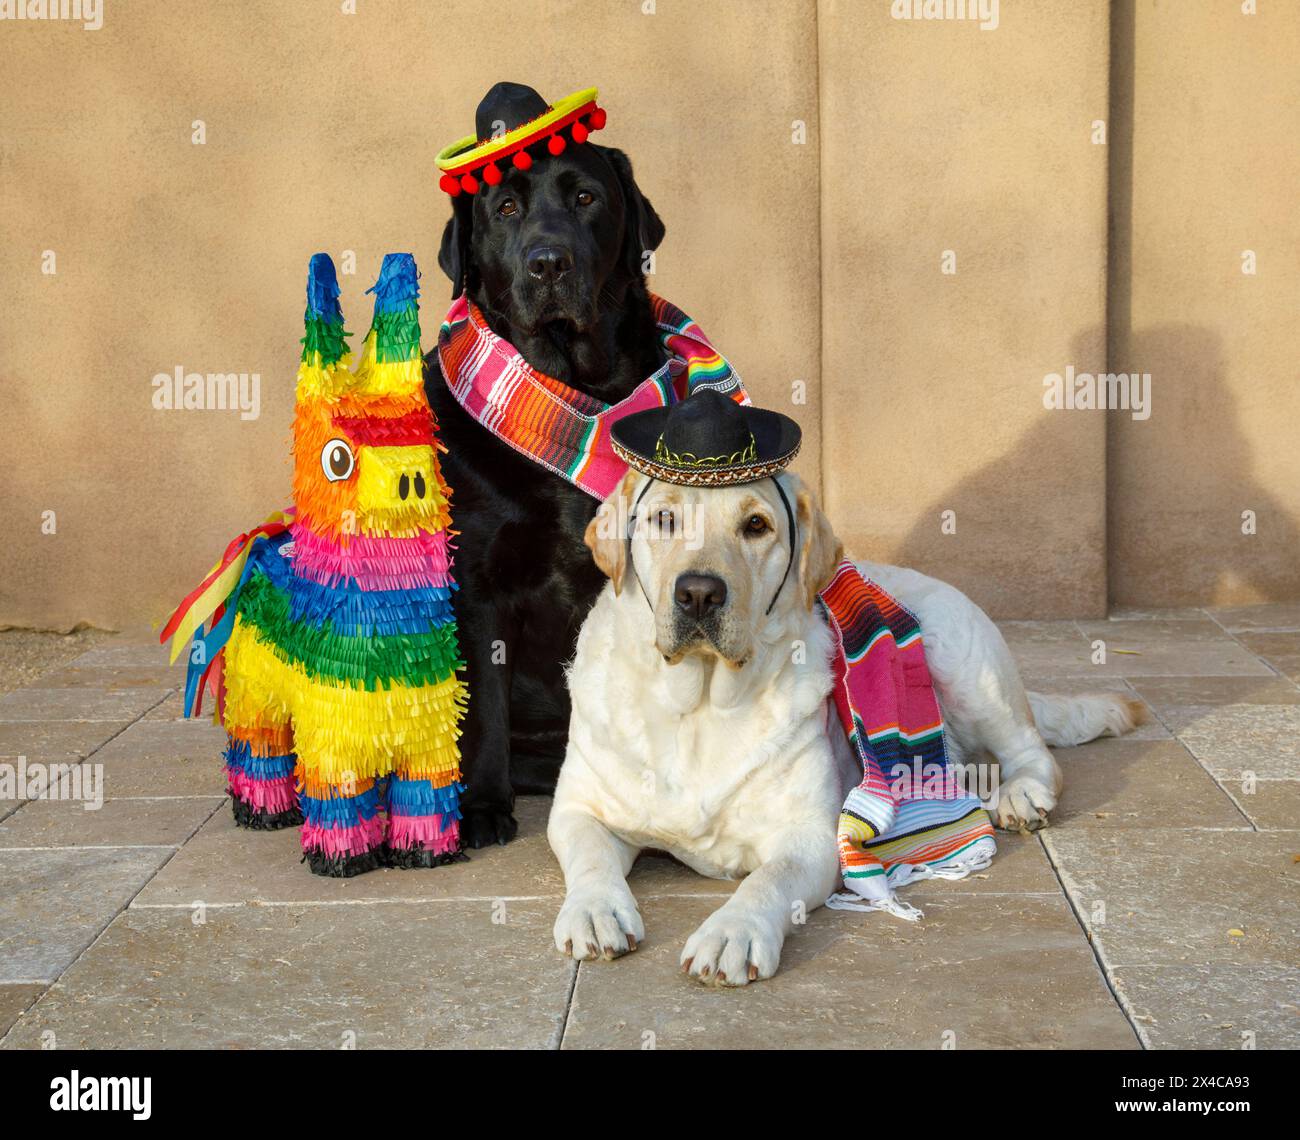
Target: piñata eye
x,y
337,460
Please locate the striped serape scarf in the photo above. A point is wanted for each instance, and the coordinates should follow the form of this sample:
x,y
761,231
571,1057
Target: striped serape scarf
x,y
553,424
910,818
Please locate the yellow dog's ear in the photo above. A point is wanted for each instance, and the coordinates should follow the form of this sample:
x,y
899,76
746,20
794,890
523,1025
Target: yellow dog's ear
x,y
819,550
606,535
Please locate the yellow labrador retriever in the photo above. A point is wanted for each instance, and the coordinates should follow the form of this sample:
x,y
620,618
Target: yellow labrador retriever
x,y
702,725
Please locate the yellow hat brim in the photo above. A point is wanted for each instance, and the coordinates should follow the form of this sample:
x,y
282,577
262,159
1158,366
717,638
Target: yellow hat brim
x,y
468,153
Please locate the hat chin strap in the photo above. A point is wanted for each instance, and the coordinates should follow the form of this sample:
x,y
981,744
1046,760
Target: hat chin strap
x,y
789,514
794,542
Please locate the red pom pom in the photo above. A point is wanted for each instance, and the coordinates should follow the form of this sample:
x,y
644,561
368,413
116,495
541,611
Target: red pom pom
x,y
449,184
556,145
579,133
491,175
469,184
522,160
596,120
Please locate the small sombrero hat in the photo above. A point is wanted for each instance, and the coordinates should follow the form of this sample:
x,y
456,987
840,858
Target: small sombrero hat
x,y
707,440
532,128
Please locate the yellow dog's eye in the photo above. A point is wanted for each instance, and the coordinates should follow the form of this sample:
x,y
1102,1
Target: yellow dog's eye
x,y
337,460
665,521
756,525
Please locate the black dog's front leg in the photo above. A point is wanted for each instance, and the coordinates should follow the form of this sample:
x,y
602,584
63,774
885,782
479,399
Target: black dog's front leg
x,y
485,743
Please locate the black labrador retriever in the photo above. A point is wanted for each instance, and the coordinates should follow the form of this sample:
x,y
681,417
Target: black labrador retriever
x,y
553,258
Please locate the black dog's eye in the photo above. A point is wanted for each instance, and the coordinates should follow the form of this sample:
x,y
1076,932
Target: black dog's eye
x,y
665,521
508,208
756,525
585,197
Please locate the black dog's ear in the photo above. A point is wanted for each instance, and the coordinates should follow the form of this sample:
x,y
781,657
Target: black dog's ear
x,y
454,257
643,229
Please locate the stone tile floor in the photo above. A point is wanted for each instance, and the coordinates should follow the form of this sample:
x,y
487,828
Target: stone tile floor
x,y
1160,909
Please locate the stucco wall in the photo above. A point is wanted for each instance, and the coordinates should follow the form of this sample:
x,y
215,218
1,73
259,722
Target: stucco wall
x,y
812,160
942,138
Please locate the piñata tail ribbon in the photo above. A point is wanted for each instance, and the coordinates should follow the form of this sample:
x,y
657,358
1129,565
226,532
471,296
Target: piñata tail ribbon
x,y
219,583
214,598
205,655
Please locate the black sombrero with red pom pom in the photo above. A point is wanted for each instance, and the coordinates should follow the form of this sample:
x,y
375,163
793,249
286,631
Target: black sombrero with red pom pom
x,y
515,125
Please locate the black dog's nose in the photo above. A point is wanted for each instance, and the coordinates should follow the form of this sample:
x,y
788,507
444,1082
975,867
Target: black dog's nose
x,y
549,262
697,594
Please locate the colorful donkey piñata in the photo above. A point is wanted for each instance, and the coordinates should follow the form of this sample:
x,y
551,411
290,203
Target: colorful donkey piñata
x,y
330,642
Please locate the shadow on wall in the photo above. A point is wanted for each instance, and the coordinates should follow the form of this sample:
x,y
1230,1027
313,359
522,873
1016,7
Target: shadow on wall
x,y
1055,522
1176,485
1180,485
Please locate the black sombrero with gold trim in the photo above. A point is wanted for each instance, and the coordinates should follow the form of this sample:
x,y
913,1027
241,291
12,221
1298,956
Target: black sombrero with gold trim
x,y
706,440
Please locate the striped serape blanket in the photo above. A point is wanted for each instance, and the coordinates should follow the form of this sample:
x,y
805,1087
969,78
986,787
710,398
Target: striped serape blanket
x,y
910,818
553,424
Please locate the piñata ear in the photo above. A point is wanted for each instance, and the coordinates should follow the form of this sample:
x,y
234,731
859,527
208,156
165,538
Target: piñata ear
x,y
397,292
391,360
323,344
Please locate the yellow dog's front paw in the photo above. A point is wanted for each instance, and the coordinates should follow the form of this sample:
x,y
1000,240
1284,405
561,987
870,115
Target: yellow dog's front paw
x,y
733,949
598,926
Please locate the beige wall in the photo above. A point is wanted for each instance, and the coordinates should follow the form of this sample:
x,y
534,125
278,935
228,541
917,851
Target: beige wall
x,y
938,136
802,259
